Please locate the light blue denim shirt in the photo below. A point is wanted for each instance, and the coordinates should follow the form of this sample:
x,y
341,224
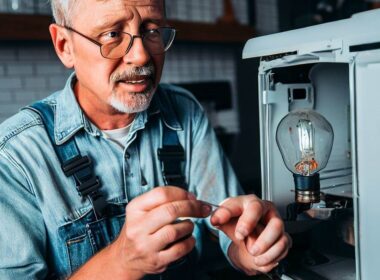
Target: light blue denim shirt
x,y
45,223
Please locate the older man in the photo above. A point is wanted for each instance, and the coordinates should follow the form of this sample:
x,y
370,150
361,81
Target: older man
x,y
85,174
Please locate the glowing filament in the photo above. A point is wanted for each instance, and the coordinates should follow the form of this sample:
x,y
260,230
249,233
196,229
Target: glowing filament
x,y
306,136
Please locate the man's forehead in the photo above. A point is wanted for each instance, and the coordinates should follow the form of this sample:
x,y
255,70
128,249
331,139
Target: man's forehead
x,y
143,2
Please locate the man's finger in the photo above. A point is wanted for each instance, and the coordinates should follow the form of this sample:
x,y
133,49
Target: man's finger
x,y
282,256
253,212
169,212
266,268
229,230
224,214
272,232
271,211
252,237
230,208
274,254
177,251
159,196
172,233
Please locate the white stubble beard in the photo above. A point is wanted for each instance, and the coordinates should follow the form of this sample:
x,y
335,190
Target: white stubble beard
x,y
133,102
140,101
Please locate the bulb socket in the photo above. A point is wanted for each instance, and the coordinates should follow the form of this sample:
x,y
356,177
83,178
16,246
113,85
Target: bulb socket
x,y
307,188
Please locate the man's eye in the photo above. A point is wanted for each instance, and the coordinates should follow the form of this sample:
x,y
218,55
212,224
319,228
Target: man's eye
x,y
111,35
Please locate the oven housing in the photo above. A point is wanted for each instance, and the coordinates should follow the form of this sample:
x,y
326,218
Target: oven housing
x,y
333,68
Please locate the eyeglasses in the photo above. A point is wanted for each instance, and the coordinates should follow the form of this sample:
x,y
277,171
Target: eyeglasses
x,y
116,44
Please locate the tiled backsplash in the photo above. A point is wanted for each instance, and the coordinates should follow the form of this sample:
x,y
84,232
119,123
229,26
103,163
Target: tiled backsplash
x,y
27,73
186,64
266,17
25,6
205,10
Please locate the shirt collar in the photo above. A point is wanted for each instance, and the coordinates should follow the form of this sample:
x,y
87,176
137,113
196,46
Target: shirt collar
x,y
69,117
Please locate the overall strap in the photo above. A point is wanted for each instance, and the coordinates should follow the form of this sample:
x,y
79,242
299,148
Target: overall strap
x,y
72,162
172,153
171,156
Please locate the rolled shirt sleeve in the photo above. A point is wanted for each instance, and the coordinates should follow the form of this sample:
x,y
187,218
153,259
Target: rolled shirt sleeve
x,y
22,234
211,176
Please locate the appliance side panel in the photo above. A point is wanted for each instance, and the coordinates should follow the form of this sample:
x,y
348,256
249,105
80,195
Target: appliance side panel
x,y
263,158
368,153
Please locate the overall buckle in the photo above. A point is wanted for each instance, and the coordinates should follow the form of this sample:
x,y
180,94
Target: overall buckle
x,y
75,164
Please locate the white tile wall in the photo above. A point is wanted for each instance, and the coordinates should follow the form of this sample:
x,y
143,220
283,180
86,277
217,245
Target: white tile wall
x,y
266,16
11,83
5,97
18,6
205,10
7,54
205,63
20,69
241,10
25,71
3,5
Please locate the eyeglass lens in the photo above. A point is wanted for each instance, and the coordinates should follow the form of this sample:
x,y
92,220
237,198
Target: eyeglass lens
x,y
155,41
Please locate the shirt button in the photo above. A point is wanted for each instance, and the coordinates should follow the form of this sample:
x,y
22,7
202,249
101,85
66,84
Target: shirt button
x,y
127,155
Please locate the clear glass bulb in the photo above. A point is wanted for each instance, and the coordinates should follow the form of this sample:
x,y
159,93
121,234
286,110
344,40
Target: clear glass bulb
x,y
305,140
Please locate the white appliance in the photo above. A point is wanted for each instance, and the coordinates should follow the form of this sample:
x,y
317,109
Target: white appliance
x,y
333,68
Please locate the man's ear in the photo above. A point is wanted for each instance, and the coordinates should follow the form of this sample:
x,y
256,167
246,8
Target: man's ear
x,y
62,45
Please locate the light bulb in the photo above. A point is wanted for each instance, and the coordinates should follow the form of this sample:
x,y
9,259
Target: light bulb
x,y
305,140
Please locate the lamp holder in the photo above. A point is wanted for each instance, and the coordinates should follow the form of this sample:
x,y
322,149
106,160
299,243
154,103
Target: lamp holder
x,y
307,188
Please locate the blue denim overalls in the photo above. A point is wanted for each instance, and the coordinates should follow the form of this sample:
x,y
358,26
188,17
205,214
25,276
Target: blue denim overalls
x,y
95,230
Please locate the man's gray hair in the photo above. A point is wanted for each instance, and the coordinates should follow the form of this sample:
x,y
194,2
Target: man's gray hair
x,y
62,11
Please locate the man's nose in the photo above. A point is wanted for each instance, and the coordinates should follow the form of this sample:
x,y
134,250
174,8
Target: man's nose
x,y
137,53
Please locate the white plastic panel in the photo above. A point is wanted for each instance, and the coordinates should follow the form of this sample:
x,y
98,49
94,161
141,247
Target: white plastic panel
x,y
331,82
362,28
368,155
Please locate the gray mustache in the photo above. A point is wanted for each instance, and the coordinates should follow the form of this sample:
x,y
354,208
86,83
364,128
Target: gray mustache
x,y
136,72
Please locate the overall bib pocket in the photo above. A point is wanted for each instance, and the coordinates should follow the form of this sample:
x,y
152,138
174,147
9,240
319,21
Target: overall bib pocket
x,y
86,236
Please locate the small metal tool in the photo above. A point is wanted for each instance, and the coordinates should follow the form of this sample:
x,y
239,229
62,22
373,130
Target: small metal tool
x,y
213,206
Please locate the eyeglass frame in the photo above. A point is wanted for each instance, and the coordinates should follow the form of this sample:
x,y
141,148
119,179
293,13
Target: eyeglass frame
x,y
130,35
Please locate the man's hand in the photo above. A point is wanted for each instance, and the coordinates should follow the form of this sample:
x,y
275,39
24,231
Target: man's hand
x,y
152,236
257,232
